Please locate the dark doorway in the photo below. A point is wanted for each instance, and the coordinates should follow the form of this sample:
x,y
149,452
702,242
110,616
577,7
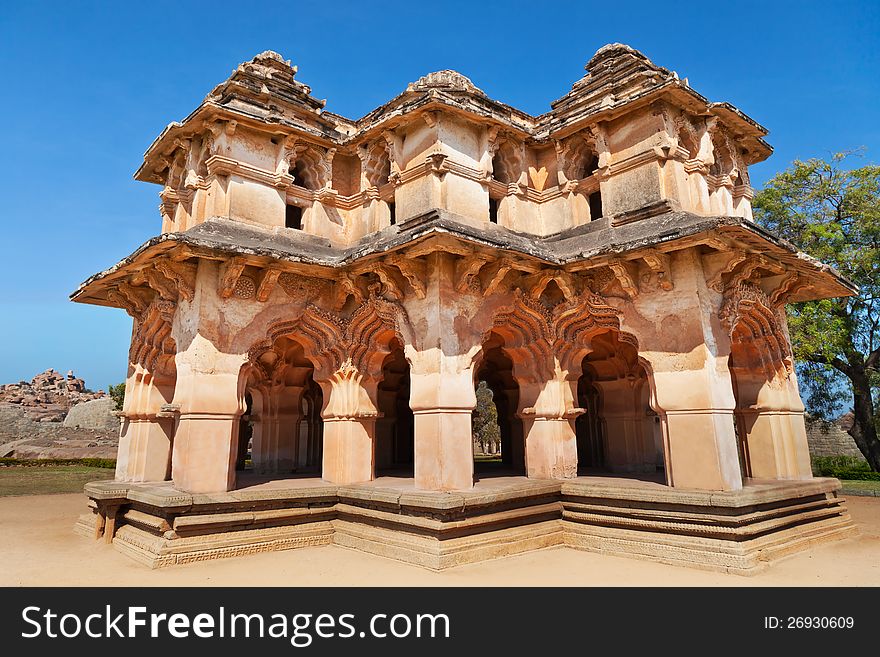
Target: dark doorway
x,y
394,429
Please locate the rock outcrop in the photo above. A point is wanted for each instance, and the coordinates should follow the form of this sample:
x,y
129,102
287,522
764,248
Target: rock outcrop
x,y
56,416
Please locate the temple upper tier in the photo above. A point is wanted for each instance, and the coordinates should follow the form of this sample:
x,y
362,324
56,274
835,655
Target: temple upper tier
x,y
629,138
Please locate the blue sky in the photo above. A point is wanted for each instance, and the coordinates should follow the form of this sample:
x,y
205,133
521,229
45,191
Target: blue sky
x,y
87,86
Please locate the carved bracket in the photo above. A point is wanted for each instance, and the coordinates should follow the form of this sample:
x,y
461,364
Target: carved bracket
x,y
230,271
659,263
625,277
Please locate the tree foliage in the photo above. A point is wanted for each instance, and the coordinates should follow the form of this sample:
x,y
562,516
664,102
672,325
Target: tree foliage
x,y
117,394
484,420
832,212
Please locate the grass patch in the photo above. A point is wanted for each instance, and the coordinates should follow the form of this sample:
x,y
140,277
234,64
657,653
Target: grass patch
x,y
48,479
42,463
861,487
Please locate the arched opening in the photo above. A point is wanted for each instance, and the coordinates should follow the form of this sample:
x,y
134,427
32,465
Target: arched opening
x,y
245,435
394,428
304,171
499,445
310,439
281,428
768,418
619,432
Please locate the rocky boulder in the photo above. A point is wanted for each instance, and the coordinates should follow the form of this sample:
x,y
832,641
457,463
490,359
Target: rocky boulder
x,y
95,414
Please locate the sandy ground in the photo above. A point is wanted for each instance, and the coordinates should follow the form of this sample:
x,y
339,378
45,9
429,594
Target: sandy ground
x,y
38,548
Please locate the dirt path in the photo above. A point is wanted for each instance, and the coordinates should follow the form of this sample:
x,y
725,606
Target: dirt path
x,y
38,548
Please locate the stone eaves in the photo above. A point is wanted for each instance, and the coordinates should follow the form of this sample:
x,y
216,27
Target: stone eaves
x,y
597,243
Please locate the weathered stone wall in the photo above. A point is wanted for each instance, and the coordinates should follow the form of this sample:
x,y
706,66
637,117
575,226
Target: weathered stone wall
x,y
832,441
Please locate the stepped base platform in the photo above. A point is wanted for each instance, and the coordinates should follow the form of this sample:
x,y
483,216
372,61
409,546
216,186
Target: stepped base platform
x,y
738,532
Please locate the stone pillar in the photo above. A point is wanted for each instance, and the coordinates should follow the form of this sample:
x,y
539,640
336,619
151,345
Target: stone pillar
x,y
442,404
349,415
206,442
692,391
698,407
548,412
145,438
275,440
770,418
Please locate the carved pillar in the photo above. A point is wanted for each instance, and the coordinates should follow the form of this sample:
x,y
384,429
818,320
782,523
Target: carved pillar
x,y
145,437
770,413
688,356
629,446
442,395
770,418
349,427
442,399
274,441
700,427
548,411
206,441
146,433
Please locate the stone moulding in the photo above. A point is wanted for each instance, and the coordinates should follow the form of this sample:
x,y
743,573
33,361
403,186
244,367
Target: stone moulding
x,y
738,532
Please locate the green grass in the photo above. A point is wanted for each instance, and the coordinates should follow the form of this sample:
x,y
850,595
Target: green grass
x,y
861,487
50,479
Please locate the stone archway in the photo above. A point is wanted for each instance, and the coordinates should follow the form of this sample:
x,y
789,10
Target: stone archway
x,y
619,432
280,390
394,427
769,420
495,372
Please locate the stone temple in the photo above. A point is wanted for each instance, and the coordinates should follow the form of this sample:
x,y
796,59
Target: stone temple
x,y
326,293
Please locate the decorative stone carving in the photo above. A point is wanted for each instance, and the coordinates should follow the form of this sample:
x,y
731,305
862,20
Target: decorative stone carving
x,y
562,332
750,317
659,264
230,271
306,288
133,300
339,344
625,277
245,288
268,278
152,346
182,274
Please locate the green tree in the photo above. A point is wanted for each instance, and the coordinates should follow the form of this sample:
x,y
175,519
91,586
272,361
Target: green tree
x,y
832,212
484,420
117,394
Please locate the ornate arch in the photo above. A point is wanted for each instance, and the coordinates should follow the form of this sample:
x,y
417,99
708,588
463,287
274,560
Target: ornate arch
x,y
537,334
152,347
753,323
335,343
